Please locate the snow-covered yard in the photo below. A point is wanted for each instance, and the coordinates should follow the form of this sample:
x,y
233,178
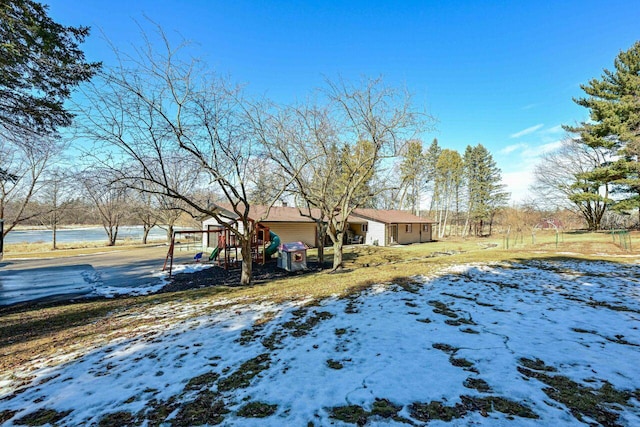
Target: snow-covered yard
x,y
539,343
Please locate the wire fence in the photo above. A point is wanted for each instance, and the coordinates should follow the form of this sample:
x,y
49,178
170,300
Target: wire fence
x,y
622,238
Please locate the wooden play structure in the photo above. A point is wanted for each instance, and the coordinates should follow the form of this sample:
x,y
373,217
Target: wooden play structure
x,y
227,252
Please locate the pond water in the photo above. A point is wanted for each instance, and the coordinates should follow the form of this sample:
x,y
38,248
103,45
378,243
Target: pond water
x,y
88,234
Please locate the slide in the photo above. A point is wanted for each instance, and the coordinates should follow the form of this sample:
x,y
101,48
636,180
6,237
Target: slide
x,y
214,253
273,246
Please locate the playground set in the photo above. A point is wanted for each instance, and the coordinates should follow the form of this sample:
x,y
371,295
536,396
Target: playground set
x,y
227,251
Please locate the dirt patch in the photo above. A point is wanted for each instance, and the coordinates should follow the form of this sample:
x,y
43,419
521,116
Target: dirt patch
x,y
206,408
42,417
436,410
242,377
118,419
257,410
218,276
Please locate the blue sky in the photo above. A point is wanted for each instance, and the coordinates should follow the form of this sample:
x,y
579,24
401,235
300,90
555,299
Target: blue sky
x,y
499,73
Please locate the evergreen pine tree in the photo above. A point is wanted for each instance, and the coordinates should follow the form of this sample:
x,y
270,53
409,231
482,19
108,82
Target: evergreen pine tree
x,y
486,192
413,171
40,63
614,109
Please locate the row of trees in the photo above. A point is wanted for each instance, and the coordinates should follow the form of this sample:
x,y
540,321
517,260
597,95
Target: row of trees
x,y
464,192
54,197
160,114
597,168
175,137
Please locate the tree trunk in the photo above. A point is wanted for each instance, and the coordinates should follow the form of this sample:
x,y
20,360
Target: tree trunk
x,y
169,232
145,234
113,235
466,227
247,262
322,234
443,230
54,230
337,252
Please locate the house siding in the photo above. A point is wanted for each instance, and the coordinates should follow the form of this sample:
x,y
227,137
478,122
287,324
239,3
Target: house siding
x,y
206,224
380,232
418,233
294,232
412,236
287,231
381,225
377,232
427,235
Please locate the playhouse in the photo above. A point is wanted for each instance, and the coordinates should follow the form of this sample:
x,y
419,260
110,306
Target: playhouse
x,y
292,256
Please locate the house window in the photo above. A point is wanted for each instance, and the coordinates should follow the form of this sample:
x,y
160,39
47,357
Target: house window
x,y
365,228
425,227
409,228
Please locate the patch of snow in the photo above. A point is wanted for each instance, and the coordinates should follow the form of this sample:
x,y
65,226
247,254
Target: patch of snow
x,y
570,315
145,289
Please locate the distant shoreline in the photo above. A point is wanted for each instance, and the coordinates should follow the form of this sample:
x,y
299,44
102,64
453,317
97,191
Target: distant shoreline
x,y
71,227
80,233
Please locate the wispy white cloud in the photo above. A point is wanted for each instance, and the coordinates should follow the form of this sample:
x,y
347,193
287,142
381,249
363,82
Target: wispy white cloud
x,y
533,152
530,106
554,130
526,131
511,148
551,146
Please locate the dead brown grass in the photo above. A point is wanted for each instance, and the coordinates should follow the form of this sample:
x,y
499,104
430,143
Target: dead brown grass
x,y
36,250
35,333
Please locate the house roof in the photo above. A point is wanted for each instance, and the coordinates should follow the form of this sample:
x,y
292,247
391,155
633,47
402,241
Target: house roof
x,y
276,213
292,214
390,216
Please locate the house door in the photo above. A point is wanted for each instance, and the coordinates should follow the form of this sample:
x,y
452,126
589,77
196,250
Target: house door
x,y
393,234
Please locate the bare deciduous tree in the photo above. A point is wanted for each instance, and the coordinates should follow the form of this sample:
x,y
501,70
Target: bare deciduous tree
x,y
564,178
145,211
333,149
56,199
159,106
108,197
22,167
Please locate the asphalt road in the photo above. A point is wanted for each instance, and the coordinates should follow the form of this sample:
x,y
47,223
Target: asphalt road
x,y
24,280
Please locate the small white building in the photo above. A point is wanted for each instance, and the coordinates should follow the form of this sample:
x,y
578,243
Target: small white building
x,y
390,227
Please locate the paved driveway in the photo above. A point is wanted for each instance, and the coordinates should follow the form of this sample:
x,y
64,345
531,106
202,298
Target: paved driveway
x,y
65,278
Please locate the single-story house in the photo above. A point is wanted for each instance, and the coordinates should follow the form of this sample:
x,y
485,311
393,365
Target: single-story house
x,y
366,226
390,227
